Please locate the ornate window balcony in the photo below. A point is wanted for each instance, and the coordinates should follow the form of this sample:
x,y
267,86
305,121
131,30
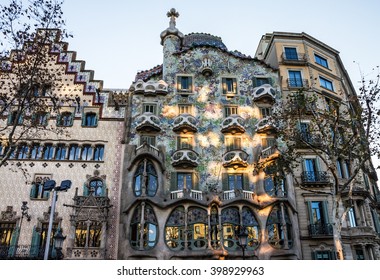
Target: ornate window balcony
x,y
296,59
194,194
150,87
148,122
232,194
264,126
295,83
235,159
185,158
320,229
314,177
303,139
233,124
184,123
264,92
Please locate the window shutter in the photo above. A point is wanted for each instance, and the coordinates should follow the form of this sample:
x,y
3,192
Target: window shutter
x,y
376,220
13,243
191,84
224,85
46,194
173,181
313,255
33,191
234,81
310,212
85,190
325,212
195,181
245,182
254,82
103,192
83,119
21,119
36,237
225,181
10,118
58,119
179,84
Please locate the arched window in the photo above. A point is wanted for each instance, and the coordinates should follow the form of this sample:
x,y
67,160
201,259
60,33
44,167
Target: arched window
x,y
275,182
74,152
197,228
175,229
214,231
230,225
144,228
279,228
98,152
252,226
145,179
87,152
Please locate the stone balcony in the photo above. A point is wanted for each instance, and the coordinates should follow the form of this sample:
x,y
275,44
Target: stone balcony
x,y
193,194
233,124
265,93
264,126
185,123
235,158
148,122
232,194
150,87
185,158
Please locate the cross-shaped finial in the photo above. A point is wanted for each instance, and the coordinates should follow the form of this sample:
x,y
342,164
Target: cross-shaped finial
x,y
173,14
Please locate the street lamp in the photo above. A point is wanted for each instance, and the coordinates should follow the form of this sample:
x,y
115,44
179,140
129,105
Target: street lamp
x,y
59,238
50,185
243,240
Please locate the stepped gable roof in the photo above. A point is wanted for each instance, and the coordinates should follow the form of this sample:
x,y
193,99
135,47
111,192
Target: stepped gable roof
x,y
147,74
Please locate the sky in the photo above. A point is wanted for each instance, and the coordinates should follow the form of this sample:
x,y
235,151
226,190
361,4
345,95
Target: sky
x,y
118,38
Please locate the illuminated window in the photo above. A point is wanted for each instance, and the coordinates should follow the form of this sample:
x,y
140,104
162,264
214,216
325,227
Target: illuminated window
x,y
143,228
184,83
145,178
279,228
229,85
88,234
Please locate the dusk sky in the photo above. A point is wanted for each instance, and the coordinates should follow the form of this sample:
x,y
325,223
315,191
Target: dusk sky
x,y
119,38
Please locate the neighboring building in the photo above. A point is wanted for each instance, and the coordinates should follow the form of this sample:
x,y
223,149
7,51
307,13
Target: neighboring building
x,y
88,153
169,169
309,66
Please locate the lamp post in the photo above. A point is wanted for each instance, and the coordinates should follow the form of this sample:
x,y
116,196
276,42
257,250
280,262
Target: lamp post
x,y
243,240
50,185
59,238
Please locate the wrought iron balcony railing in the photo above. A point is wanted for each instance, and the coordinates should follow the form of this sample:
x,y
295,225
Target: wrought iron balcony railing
x,y
314,177
298,83
320,230
296,58
25,252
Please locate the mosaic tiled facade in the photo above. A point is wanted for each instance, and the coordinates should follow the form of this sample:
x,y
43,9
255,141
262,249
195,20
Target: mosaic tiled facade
x,y
185,161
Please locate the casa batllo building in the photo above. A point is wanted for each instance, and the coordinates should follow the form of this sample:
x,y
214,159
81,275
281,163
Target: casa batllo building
x,y
187,162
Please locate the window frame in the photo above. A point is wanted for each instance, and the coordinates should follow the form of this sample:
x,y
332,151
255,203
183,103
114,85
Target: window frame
x,y
320,60
291,53
229,86
184,80
230,110
326,83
